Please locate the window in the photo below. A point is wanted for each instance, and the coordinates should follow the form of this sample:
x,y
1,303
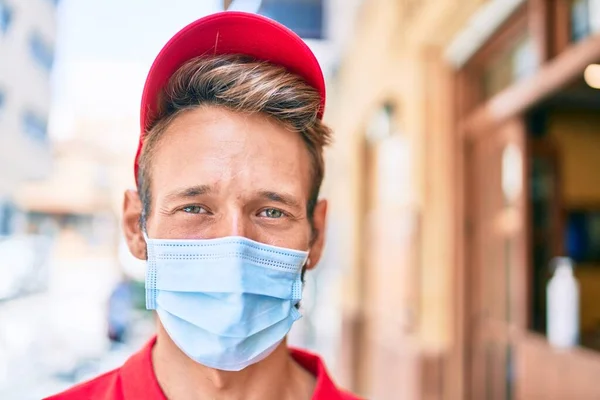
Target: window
x,y
41,51
524,59
579,20
585,20
5,17
6,213
305,17
382,124
517,62
34,126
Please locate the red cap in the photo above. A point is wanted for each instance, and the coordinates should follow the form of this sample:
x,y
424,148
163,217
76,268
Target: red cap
x,y
229,32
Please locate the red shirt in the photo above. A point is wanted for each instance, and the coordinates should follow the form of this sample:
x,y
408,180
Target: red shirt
x,y
135,380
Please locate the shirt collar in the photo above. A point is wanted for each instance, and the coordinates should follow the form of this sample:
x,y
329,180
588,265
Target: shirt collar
x,y
324,388
139,381
137,375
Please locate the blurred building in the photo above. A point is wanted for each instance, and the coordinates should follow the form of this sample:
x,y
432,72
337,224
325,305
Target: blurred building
x,y
27,39
73,205
466,159
79,202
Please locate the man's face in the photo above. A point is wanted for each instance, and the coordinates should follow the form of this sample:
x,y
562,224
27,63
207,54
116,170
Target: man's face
x,y
218,173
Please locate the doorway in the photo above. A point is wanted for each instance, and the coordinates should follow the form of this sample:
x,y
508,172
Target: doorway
x,y
533,192
565,200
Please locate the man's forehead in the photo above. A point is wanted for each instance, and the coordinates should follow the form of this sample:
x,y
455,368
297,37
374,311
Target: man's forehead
x,y
217,148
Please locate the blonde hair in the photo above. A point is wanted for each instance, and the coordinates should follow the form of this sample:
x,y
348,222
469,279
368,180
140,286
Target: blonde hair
x,y
241,84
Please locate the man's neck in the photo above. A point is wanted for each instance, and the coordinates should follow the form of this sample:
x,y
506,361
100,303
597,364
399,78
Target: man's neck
x,y
277,377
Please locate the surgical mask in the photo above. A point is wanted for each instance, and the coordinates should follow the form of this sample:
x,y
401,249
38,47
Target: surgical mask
x,y
226,303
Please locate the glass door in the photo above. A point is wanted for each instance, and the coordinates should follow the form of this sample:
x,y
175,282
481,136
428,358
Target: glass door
x,y
498,260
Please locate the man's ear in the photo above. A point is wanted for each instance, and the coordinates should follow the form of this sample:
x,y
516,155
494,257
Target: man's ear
x,y
132,211
318,238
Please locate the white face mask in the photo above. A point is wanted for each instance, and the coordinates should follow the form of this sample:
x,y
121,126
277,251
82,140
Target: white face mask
x,y
226,303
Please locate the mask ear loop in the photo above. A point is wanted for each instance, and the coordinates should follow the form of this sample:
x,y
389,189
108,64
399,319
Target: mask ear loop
x,y
151,291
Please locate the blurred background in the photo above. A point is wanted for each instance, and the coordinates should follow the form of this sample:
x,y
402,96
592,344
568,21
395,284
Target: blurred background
x,y
466,160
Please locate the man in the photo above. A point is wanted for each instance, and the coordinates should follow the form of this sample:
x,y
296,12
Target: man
x,y
227,214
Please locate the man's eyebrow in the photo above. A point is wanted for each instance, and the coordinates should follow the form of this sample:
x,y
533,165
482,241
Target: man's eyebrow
x,y
282,198
189,192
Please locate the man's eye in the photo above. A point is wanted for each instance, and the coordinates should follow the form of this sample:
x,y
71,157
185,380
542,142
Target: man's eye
x,y
194,210
272,213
